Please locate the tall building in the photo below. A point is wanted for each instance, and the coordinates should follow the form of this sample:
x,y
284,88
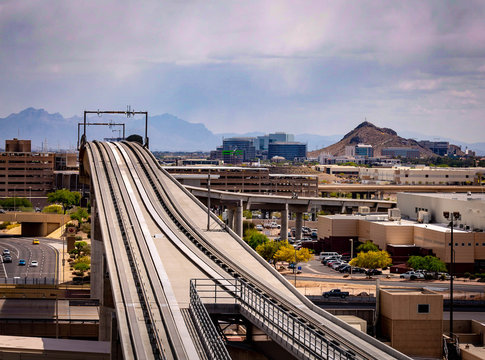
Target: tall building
x,y
293,151
24,173
404,152
238,149
364,150
438,147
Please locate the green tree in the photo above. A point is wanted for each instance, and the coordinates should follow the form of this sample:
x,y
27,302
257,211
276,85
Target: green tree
x,y
268,250
372,259
254,238
428,263
367,246
80,214
53,209
11,203
64,197
248,214
81,249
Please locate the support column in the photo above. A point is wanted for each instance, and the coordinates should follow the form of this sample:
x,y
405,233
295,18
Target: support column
x,y
238,219
284,223
230,218
298,225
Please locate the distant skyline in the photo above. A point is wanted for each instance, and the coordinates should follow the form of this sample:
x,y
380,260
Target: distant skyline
x,y
317,67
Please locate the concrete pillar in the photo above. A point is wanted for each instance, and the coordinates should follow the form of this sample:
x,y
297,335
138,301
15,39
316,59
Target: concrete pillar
x,y
284,223
298,225
230,218
238,219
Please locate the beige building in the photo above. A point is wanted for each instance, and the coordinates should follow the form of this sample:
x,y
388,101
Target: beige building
x,y
469,246
422,175
412,321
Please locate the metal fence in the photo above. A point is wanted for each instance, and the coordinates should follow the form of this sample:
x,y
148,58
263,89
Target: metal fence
x,y
29,281
281,324
211,339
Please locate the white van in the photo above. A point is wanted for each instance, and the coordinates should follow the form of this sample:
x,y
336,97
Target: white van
x,y
325,254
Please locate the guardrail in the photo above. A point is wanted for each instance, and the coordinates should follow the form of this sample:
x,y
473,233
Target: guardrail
x,y
284,327
211,339
29,281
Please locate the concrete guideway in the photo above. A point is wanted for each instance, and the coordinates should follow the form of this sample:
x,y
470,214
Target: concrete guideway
x,y
131,189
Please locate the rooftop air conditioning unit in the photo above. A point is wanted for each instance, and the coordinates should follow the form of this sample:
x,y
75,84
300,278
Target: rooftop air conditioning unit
x,y
424,217
364,210
394,214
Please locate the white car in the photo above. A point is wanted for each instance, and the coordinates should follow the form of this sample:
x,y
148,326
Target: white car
x,y
259,227
412,275
34,263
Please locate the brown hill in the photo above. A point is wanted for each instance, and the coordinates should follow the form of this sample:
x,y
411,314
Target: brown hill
x,y
379,138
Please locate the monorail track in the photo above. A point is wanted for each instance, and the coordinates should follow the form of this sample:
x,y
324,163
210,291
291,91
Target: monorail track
x,y
140,188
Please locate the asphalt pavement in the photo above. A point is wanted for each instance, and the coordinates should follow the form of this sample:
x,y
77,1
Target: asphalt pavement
x,y
315,271
23,248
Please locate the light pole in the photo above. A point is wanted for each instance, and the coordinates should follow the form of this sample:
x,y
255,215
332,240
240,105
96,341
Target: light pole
x,y
30,194
452,216
294,268
14,189
351,253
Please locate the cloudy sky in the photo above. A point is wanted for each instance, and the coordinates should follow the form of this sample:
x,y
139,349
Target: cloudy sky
x,y
237,66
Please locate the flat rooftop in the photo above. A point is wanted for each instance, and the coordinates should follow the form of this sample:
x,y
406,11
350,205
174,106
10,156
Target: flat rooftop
x,y
453,196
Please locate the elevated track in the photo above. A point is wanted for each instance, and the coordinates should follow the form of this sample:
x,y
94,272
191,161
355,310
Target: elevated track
x,y
155,241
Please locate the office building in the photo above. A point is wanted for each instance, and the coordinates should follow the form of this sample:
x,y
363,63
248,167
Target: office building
x,y
440,148
403,152
24,173
238,150
420,230
364,150
293,151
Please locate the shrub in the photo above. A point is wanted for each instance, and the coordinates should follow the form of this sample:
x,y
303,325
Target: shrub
x,y
467,275
472,277
53,209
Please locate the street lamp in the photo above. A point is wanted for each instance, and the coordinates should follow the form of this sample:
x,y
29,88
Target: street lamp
x,y
30,194
452,216
351,253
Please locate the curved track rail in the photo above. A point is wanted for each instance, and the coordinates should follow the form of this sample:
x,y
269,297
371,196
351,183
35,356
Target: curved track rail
x,y
140,188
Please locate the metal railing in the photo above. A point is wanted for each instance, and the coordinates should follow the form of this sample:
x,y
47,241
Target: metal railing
x,y
29,281
280,324
211,339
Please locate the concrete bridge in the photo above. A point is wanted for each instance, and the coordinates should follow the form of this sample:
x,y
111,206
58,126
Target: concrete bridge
x,y
36,224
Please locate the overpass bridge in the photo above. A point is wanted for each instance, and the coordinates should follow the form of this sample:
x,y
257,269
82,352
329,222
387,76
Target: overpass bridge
x,y
34,223
235,202
160,265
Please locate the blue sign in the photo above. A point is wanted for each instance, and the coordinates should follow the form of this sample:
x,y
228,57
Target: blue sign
x,y
299,267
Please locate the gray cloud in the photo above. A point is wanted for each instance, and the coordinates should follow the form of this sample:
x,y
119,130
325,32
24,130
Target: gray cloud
x,y
316,66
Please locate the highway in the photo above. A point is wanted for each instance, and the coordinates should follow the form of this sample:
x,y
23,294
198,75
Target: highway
x,y
22,248
156,240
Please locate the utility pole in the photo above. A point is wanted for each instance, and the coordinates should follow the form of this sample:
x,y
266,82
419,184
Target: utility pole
x,y
452,216
208,200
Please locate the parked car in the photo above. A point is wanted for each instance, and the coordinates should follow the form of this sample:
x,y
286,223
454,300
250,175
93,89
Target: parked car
x,y
37,209
412,275
34,263
22,262
358,270
336,293
337,264
6,252
371,272
7,259
344,268
259,227
2,211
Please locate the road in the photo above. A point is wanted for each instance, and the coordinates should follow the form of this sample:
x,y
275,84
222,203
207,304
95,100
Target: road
x,y
22,248
326,274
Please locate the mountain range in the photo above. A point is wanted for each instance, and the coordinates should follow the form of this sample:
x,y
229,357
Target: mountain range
x,y
166,132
